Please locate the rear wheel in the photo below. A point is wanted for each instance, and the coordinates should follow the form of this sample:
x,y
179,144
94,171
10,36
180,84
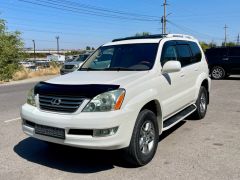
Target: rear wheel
x,y
218,72
201,103
144,139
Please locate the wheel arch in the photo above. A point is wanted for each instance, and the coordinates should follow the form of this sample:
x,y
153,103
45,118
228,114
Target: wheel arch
x,y
155,107
205,84
205,81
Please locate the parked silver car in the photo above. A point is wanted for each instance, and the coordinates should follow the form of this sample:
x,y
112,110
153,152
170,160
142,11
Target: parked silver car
x,y
73,65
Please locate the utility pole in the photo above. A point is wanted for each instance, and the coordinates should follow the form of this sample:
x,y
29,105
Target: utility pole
x,y
225,38
34,50
164,18
238,39
57,37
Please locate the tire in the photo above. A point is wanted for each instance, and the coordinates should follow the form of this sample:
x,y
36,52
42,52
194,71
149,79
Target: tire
x,y
144,139
218,72
201,103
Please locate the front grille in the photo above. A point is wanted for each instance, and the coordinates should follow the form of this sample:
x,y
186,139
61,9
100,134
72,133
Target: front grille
x,y
68,66
60,103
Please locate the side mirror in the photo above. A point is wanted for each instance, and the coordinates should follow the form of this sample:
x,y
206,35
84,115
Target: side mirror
x,y
171,66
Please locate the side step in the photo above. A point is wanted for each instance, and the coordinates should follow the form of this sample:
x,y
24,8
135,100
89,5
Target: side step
x,y
167,124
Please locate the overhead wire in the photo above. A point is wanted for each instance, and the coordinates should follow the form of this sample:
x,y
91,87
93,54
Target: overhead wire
x,y
77,10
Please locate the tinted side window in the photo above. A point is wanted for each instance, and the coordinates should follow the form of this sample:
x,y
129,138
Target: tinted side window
x,y
184,54
234,52
197,55
169,52
216,53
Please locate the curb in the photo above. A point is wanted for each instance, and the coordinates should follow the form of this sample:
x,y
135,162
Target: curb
x,y
30,80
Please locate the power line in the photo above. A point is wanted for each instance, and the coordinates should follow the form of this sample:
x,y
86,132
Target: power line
x,y
103,9
184,28
76,10
84,17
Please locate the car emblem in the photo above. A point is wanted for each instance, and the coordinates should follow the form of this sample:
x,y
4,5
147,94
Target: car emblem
x,y
56,101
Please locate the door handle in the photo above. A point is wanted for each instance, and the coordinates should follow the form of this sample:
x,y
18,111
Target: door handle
x,y
182,75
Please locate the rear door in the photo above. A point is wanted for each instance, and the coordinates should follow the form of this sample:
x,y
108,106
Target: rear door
x,y
190,70
233,60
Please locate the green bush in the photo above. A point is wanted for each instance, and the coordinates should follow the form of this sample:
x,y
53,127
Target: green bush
x,y
11,52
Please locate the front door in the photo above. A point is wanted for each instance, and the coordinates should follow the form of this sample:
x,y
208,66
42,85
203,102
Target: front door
x,y
172,84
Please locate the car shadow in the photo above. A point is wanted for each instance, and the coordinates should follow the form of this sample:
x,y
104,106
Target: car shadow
x,y
232,78
74,160
171,130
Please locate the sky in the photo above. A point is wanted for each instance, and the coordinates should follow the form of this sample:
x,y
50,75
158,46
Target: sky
x,y
81,23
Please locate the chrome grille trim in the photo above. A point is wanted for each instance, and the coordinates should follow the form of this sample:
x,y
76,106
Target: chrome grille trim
x,y
66,104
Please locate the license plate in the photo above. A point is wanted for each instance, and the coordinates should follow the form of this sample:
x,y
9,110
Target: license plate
x,y
50,131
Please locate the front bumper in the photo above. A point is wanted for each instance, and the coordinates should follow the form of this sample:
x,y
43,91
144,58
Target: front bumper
x,y
122,119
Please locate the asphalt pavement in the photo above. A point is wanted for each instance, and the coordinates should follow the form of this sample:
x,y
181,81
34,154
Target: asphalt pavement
x,y
206,149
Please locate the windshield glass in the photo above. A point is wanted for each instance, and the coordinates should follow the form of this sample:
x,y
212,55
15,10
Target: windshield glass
x,y
81,58
128,57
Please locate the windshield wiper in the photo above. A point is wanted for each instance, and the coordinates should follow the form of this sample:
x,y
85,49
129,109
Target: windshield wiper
x,y
89,69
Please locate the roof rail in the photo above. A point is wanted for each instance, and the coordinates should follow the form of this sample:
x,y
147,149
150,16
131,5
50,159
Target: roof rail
x,y
155,36
180,36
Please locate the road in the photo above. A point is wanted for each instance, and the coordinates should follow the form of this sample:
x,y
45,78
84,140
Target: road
x,y
206,149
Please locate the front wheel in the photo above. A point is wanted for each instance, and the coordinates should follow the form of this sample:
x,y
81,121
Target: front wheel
x,y
144,139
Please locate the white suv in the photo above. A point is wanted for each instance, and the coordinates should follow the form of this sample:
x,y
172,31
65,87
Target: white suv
x,y
123,97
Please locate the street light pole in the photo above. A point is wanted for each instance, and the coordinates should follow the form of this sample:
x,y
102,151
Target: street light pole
x,y
57,37
34,50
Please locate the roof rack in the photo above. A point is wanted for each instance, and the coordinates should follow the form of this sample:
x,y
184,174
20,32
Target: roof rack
x,y
180,36
155,36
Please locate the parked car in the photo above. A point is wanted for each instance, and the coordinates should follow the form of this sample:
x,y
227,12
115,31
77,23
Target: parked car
x,y
223,61
73,65
29,65
124,96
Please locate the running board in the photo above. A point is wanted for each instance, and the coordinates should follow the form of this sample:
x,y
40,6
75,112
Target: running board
x,y
167,124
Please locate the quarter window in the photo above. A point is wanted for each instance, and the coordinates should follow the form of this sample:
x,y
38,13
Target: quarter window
x,y
197,55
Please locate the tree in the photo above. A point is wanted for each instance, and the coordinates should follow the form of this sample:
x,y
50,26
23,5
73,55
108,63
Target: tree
x,y
142,34
204,45
93,48
229,44
11,53
88,48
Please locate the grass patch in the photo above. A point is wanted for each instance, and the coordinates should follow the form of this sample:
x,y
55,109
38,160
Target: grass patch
x,y
26,73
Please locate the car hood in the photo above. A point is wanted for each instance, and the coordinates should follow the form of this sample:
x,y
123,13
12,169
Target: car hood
x,y
121,78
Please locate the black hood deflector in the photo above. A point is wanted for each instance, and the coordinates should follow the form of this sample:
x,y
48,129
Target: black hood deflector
x,y
87,91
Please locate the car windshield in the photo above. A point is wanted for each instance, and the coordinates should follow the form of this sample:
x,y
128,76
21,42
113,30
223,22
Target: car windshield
x,y
127,57
81,58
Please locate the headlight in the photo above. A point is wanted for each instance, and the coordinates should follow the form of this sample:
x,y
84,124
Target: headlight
x,y
76,66
108,101
31,97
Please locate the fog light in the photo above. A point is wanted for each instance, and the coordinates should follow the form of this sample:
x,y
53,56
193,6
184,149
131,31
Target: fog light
x,y
104,132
